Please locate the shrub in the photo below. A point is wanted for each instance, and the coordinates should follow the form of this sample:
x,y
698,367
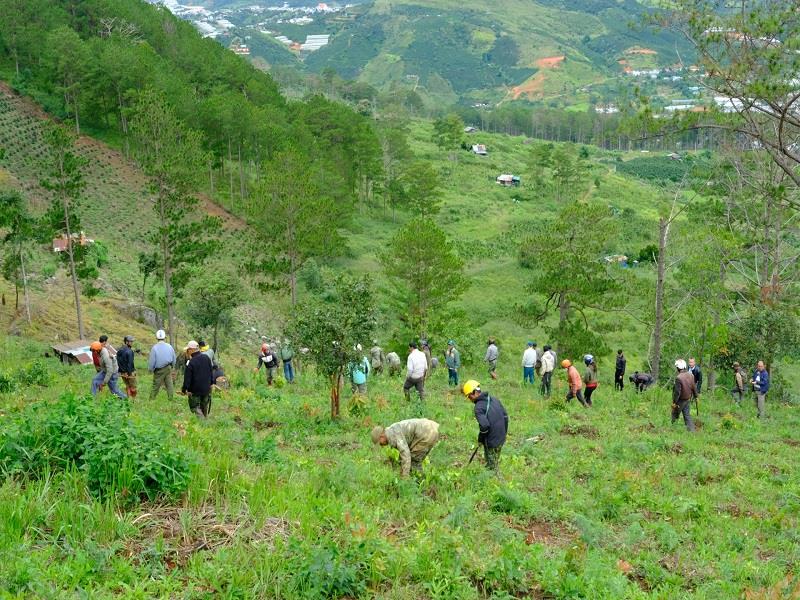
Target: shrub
x,y
7,384
36,373
131,460
260,451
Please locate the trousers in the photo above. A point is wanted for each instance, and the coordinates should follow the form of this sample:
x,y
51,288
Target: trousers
x,y
683,407
527,375
163,378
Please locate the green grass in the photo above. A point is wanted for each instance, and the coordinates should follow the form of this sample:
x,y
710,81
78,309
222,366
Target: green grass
x,y
612,503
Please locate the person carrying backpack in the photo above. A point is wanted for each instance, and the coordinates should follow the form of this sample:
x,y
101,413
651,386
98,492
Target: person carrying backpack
x,y
109,370
287,354
492,422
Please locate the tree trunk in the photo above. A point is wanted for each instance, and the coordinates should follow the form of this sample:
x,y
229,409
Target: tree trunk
x,y
230,170
168,294
241,173
24,287
658,324
214,337
335,395
71,256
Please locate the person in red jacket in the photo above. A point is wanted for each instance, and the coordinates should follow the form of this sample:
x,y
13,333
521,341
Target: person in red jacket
x,y
574,381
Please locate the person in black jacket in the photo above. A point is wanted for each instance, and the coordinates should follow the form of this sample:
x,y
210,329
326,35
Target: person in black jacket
x,y
492,422
619,371
127,370
694,369
197,380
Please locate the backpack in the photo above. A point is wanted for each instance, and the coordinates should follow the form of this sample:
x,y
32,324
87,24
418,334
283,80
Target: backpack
x,y
96,359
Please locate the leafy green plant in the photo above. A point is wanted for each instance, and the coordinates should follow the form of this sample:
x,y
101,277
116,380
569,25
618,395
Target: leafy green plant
x,y
119,457
262,450
7,384
36,373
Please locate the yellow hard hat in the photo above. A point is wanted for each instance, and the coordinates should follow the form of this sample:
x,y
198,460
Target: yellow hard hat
x,y
566,363
470,386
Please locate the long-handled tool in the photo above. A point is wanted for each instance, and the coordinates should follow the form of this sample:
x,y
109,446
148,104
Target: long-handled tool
x,y
474,452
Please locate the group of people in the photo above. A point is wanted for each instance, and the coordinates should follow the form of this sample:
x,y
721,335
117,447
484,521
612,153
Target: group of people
x,y
201,372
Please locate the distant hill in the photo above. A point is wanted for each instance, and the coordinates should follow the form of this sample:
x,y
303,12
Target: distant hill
x,y
503,50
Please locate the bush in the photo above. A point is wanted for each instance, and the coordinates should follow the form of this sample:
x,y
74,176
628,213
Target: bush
x,y
35,373
118,457
7,384
260,451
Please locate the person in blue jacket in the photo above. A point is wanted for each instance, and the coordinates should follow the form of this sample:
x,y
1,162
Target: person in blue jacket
x,y
760,383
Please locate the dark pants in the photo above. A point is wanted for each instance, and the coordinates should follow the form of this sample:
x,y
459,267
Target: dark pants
x,y
419,384
492,456
527,375
200,405
588,394
452,376
619,379
546,382
288,371
685,407
163,378
737,394
578,394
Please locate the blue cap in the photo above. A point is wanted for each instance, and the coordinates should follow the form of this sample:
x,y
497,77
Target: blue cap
x,y
451,343
531,344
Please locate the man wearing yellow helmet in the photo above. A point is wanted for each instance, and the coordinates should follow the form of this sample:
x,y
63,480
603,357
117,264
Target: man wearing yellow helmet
x,y
492,422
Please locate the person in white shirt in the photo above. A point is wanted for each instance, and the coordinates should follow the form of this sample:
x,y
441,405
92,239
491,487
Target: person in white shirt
x,y
548,365
529,363
416,366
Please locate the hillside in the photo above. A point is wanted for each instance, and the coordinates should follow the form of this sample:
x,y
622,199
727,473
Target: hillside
x,y
558,51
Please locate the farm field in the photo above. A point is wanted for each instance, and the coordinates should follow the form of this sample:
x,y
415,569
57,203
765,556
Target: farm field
x,y
611,502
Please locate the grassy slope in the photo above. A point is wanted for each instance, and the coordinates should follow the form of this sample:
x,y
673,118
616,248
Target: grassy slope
x,y
613,503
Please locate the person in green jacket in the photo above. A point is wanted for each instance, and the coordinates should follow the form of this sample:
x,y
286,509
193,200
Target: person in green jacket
x,y
287,354
452,358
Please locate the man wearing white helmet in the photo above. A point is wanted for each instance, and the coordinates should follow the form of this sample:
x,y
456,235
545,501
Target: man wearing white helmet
x,y
683,392
160,364
590,380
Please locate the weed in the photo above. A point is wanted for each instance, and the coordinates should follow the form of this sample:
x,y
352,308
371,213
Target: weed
x,y
262,450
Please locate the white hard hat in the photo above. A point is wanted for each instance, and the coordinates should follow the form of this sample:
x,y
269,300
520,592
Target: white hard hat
x,y
160,335
358,347
680,364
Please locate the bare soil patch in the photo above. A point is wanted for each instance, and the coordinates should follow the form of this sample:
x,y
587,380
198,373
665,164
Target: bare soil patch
x,y
186,531
543,532
588,431
549,62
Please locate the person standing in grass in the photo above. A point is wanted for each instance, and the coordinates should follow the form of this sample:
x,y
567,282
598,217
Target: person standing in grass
x,y
619,371
589,378
738,384
416,367
426,350
269,361
548,361
492,422
760,383
109,370
358,373
452,358
376,357
197,380
492,354
287,355
574,382
208,351
393,362
697,374
413,438
529,358
160,363
683,392
127,369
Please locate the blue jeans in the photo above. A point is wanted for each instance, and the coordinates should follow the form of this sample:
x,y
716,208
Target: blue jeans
x,y
112,384
527,375
452,376
288,371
